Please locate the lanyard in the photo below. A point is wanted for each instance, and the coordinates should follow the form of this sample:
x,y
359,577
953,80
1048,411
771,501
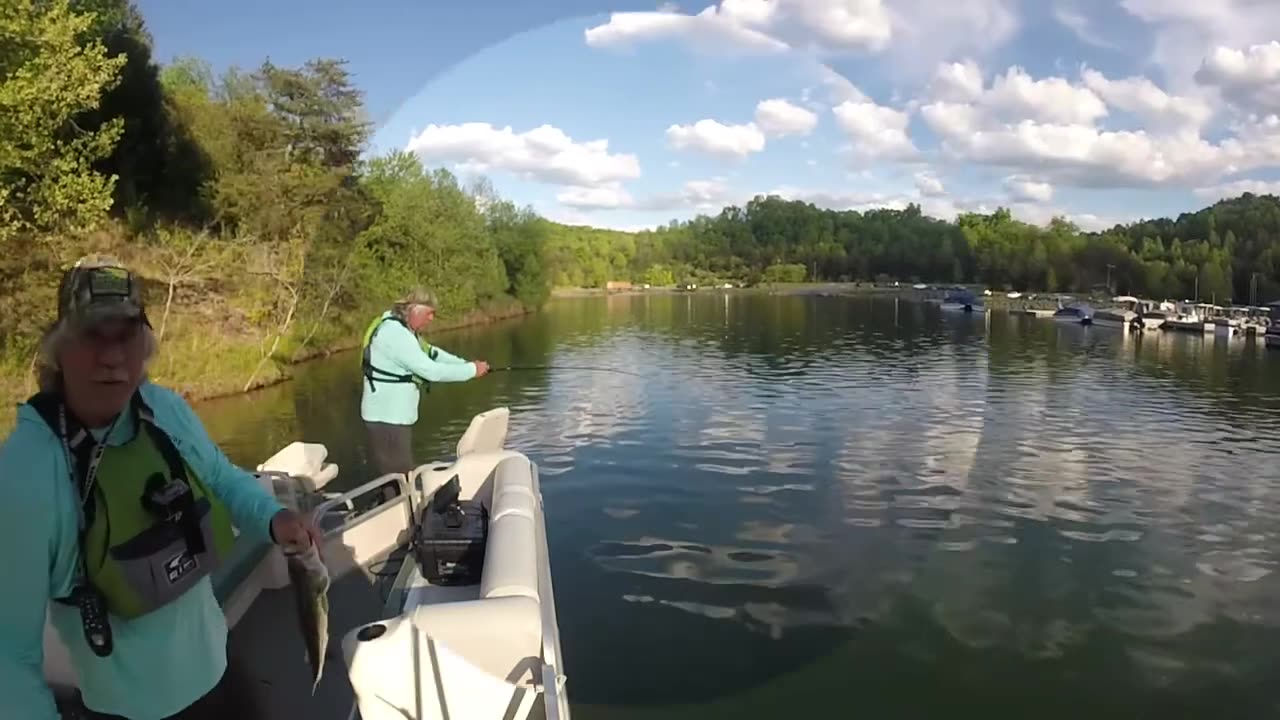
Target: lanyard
x,y
91,472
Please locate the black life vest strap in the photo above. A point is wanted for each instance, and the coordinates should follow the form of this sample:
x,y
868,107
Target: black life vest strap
x,y
367,366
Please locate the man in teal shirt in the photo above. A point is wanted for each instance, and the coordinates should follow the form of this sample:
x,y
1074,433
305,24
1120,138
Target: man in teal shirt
x,y
112,427
394,363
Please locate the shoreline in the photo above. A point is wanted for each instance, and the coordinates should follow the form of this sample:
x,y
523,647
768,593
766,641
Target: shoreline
x,y
1032,300
469,319
227,387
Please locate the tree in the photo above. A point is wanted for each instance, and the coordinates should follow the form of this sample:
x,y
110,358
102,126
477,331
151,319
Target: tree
x,y
48,77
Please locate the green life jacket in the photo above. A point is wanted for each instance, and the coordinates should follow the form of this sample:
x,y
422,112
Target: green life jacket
x,y
152,528
374,374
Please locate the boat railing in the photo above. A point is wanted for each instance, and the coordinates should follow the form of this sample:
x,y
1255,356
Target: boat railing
x,y
369,524
553,677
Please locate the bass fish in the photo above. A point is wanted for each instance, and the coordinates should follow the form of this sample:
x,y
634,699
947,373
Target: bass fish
x,y
310,580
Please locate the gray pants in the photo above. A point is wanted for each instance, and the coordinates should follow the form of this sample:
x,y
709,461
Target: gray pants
x,y
390,448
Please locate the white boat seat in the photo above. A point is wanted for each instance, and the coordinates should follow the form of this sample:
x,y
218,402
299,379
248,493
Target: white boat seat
x,y
510,556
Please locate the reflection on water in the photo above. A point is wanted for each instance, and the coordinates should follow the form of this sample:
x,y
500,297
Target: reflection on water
x,y
864,505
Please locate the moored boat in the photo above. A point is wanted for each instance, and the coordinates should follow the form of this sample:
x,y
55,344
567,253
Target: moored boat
x,y
1272,335
1075,313
1154,319
962,301
1114,317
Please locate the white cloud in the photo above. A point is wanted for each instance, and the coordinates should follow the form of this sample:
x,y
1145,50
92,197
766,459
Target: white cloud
x,y
708,30
836,200
1187,31
1050,127
928,31
1239,187
702,195
1143,98
876,131
602,197
929,185
757,25
1016,95
779,118
838,85
1249,78
1025,189
1077,22
952,119
715,138
544,153
957,82
1087,156
915,32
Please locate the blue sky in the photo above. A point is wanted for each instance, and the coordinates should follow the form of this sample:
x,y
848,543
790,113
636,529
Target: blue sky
x,y
629,115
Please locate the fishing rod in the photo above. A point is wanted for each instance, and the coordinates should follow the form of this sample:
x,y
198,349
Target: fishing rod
x,y
510,368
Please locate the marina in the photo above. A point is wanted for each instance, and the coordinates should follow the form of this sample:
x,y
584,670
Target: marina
x,y
1132,313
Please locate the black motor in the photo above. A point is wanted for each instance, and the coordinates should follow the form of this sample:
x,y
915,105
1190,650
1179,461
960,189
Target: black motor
x,y
450,538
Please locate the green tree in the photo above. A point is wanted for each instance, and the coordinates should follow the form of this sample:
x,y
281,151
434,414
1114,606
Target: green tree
x,y
48,76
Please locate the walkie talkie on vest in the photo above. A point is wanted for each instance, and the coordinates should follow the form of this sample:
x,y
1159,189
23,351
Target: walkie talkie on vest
x,y
173,502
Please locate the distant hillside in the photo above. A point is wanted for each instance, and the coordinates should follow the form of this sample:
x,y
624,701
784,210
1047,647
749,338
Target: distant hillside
x,y
1229,251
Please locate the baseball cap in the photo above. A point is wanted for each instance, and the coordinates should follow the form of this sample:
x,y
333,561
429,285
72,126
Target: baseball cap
x,y
97,288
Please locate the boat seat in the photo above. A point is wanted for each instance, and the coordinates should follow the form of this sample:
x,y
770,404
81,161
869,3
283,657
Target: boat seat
x,y
510,556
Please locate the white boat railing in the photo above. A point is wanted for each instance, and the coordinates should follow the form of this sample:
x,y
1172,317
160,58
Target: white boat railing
x,y
367,533
553,677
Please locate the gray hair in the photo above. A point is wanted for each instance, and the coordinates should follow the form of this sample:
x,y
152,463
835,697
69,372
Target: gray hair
x,y
416,296
49,375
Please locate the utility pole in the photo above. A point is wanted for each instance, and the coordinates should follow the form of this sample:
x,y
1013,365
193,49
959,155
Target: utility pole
x,y
1253,289
1109,267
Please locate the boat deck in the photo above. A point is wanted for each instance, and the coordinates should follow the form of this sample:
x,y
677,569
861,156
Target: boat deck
x,y
273,658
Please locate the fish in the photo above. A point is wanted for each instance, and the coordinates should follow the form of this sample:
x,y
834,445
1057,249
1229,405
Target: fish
x,y
309,577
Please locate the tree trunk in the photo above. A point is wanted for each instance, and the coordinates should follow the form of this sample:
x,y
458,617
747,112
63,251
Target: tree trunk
x,y
168,302
333,291
284,327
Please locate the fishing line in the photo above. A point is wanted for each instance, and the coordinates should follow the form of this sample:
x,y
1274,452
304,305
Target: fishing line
x,y
563,367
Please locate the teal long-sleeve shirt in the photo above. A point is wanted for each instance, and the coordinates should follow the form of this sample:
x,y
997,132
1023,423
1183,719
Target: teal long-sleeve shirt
x,y
162,661
395,349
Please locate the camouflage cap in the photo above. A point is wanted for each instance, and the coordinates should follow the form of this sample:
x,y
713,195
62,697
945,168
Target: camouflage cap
x,y
97,288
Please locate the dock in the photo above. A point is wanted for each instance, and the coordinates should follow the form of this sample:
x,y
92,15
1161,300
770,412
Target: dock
x,y
1033,312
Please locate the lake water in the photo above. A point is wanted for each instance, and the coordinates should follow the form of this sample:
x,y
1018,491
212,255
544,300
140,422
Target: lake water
x,y
864,507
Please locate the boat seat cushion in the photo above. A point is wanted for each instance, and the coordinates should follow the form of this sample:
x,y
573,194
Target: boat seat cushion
x,y
511,557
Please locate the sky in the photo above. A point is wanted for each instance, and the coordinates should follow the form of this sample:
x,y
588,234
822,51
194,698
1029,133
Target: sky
x,y
629,115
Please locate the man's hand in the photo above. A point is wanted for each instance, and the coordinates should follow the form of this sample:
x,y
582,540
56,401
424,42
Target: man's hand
x,y
292,530
482,367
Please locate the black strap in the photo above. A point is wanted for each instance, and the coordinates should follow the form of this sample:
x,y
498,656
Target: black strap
x,y
367,366
48,405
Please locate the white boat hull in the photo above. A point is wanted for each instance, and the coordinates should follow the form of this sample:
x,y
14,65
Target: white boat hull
x,y
1153,323
489,651
1189,325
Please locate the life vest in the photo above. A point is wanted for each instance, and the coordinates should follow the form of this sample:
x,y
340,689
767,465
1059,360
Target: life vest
x,y
378,375
151,527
